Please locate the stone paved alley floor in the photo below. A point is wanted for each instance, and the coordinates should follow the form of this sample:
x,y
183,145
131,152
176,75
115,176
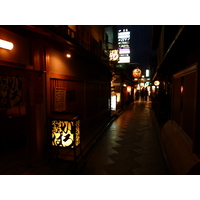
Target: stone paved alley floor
x,y
130,146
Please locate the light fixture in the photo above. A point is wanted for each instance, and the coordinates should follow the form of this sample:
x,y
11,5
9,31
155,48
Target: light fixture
x,y
65,135
68,55
147,72
114,55
6,45
128,88
156,83
142,84
66,132
113,102
137,73
181,89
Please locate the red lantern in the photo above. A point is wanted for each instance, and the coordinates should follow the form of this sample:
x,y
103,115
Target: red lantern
x,y
137,73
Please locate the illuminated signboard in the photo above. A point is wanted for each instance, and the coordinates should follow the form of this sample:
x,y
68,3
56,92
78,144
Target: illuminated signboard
x,y
147,83
113,102
124,46
147,72
114,55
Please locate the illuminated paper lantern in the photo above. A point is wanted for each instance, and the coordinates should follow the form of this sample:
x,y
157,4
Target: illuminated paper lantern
x,y
137,73
156,83
65,131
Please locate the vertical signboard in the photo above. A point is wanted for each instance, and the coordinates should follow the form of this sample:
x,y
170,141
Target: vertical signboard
x,y
10,91
113,102
124,46
59,99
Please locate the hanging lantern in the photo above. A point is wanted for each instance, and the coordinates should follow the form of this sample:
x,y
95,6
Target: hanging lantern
x,y
156,83
137,73
66,132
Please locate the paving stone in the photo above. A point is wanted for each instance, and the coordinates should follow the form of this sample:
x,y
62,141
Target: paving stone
x,y
138,152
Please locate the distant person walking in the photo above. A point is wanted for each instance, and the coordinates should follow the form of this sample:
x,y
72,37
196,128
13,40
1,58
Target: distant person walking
x,y
142,93
137,95
145,94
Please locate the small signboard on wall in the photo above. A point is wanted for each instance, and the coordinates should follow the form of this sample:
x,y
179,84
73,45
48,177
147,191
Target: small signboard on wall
x,y
59,99
10,91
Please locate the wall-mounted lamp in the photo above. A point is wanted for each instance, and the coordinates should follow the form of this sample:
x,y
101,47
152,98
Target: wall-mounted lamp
x,y
181,89
6,45
68,55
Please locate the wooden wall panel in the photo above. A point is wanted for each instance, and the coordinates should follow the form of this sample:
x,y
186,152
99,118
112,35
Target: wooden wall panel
x,y
188,104
103,96
75,105
92,98
176,100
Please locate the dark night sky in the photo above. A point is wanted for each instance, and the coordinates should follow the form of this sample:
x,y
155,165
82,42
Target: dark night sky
x,y
140,43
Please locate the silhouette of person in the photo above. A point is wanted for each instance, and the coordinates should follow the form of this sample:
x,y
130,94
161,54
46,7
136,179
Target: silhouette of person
x,y
137,94
145,94
142,94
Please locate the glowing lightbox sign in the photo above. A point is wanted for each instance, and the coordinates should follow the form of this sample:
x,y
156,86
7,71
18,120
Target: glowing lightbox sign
x,y
113,102
66,133
114,55
6,45
124,60
124,46
147,72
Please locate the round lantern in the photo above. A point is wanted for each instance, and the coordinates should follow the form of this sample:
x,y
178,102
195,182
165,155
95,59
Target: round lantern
x,y
137,73
156,83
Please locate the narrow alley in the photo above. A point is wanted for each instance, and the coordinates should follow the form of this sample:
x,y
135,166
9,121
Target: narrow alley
x,y
130,146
